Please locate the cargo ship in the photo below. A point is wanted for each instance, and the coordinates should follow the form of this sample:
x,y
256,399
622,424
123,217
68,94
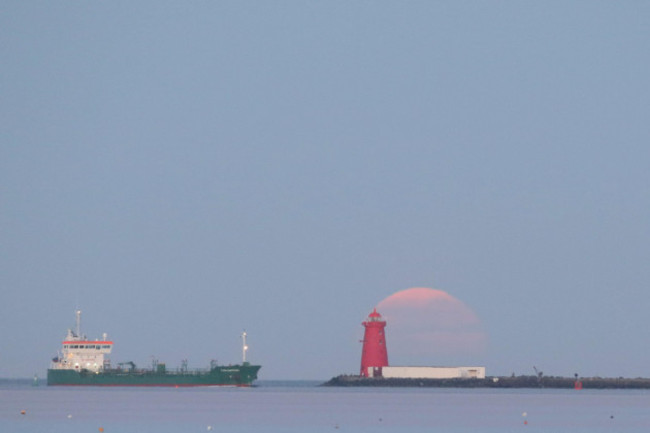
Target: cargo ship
x,y
81,361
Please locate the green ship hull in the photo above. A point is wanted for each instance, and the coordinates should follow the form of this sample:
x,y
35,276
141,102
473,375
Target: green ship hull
x,y
232,375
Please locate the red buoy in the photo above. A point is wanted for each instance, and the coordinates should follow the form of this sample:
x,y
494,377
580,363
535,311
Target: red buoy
x,y
374,354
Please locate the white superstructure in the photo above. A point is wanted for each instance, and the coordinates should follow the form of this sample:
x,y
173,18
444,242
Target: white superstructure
x,y
79,353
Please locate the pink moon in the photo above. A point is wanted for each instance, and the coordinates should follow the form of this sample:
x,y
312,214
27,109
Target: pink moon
x,y
429,326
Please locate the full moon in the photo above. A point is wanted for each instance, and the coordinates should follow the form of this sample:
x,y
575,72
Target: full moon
x,y
431,327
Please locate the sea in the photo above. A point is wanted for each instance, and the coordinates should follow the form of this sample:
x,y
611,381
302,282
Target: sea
x,y
303,406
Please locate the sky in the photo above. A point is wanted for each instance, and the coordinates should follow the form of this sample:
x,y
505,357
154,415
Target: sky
x,y
182,171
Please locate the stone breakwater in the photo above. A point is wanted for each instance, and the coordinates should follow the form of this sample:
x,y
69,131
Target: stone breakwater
x,y
495,382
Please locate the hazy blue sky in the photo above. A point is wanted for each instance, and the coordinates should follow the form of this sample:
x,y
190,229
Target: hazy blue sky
x,y
183,170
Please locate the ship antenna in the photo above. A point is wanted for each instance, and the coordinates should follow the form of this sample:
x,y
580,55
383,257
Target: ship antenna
x,y
244,347
78,323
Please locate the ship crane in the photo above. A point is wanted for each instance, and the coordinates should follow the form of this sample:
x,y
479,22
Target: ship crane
x,y
539,375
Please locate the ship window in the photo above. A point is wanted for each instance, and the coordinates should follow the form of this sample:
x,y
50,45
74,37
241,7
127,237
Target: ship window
x,y
106,347
76,346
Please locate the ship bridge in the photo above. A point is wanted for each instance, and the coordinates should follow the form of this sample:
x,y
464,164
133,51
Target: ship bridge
x,y
79,353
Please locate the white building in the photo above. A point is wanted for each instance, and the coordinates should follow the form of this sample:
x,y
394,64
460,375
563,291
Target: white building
x,y
428,372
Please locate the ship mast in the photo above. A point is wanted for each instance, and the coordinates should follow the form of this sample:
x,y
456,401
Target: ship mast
x,y
78,312
244,347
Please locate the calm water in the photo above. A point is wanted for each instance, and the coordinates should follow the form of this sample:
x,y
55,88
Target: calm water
x,y
304,407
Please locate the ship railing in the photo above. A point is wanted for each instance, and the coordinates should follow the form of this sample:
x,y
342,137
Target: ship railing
x,y
189,371
179,371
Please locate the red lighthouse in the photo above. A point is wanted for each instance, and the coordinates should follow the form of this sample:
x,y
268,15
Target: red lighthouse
x,y
374,352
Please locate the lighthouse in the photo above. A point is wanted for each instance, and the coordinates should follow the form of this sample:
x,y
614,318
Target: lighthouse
x,y
374,355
